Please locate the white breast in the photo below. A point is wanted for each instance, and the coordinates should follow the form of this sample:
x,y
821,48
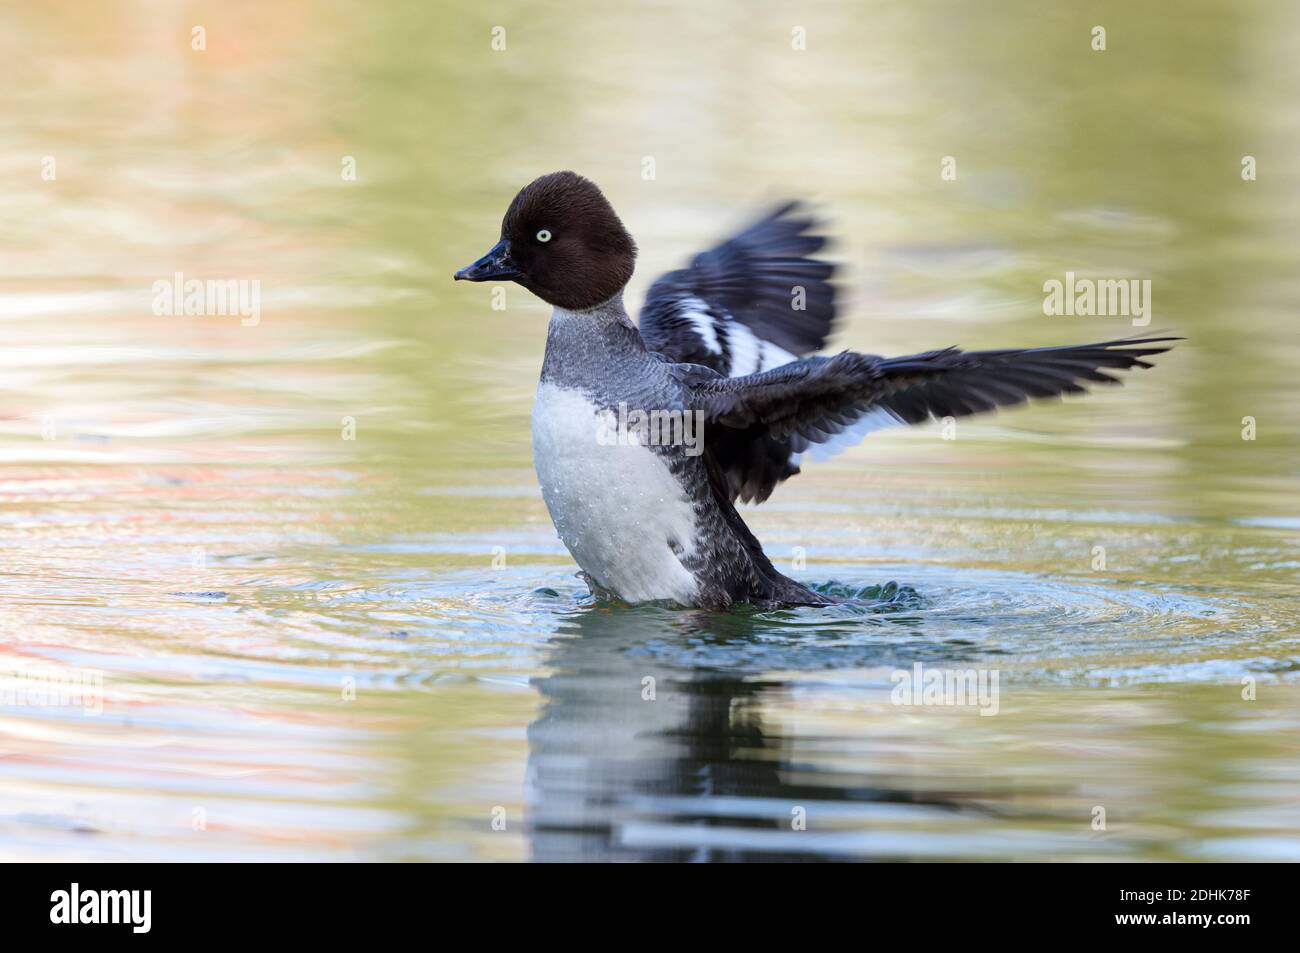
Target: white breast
x,y
618,508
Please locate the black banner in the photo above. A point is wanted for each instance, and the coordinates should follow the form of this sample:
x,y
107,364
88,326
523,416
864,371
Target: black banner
x,y
137,902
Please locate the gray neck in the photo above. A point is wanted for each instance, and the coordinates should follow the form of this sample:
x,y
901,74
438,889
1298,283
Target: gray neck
x,y
611,311
584,346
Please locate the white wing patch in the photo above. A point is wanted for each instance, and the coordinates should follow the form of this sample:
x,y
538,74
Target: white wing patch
x,y
875,419
750,354
774,356
697,312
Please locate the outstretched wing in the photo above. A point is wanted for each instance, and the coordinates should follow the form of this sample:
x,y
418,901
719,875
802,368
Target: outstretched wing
x,y
757,301
818,401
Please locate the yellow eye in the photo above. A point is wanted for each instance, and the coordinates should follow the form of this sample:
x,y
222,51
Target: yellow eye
x,y
544,236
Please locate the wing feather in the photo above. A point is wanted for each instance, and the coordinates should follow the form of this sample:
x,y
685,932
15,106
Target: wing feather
x,y
825,403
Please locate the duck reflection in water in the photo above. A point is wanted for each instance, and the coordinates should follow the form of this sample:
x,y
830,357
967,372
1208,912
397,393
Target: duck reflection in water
x,y
652,744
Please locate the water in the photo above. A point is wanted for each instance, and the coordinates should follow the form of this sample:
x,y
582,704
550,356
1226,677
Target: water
x,y
314,647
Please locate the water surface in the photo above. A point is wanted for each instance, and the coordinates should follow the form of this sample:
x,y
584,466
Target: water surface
x,y
308,559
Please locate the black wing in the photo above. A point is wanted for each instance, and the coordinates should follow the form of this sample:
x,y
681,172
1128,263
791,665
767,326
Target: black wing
x,y
817,400
758,300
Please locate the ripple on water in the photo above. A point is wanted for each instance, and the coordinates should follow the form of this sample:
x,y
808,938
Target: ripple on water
x,y
1045,627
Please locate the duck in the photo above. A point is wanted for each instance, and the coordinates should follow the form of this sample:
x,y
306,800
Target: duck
x,y
646,436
